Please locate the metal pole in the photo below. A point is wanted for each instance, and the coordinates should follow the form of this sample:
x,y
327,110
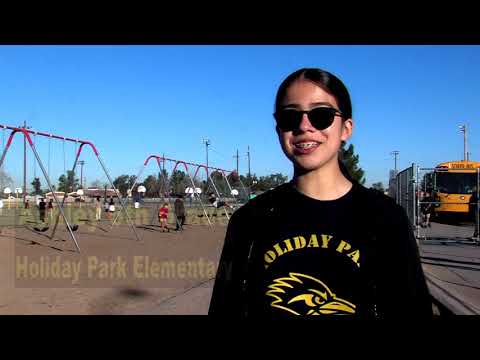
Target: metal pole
x,y
63,200
1,168
201,203
60,208
207,143
119,196
477,217
417,221
218,194
399,189
395,154
237,161
161,190
4,153
248,156
230,188
249,174
81,162
413,181
463,128
24,162
131,189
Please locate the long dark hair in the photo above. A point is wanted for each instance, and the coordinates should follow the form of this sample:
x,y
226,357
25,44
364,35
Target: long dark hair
x,y
329,83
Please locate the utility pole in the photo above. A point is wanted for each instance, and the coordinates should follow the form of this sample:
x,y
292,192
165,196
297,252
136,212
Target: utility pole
x,y
463,128
395,154
248,157
237,156
249,174
81,163
207,143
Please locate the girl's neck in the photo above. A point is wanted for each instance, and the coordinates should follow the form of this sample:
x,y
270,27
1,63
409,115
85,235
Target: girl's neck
x,y
326,183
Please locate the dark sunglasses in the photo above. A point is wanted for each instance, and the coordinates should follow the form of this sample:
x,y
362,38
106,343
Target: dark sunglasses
x,y
320,118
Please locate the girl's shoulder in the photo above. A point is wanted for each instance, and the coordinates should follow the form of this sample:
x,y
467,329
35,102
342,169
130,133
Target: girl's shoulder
x,y
374,201
265,202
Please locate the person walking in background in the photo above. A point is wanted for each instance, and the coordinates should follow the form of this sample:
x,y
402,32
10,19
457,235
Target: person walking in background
x,y
41,209
98,209
427,209
473,210
179,212
27,207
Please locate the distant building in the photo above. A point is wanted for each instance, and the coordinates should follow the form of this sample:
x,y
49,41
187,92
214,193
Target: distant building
x,y
94,192
87,193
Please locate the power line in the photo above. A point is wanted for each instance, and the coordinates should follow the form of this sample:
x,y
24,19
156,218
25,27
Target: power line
x,y
219,153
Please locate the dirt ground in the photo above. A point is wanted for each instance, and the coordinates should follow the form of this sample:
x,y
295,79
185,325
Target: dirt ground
x,y
163,273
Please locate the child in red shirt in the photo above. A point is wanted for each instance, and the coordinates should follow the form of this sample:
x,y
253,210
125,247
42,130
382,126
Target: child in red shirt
x,y
163,216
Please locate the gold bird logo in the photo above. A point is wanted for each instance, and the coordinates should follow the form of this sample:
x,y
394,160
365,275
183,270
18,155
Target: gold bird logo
x,y
302,294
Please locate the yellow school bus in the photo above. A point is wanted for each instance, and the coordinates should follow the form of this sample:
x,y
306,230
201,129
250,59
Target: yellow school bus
x,y
453,185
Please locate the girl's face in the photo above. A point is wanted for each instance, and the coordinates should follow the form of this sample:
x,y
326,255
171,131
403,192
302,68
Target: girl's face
x,y
308,148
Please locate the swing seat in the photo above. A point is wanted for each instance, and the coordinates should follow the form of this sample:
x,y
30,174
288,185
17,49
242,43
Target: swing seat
x,y
74,227
37,229
200,215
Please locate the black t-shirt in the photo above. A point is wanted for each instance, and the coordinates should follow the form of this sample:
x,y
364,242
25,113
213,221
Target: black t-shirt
x,y
311,261
288,254
42,205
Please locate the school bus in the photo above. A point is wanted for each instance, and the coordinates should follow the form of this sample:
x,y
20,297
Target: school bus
x,y
453,184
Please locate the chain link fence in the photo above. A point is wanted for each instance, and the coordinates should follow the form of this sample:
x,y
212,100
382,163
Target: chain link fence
x,y
442,205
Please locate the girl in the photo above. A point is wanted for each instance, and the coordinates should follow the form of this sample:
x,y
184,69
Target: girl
x,y
321,244
163,216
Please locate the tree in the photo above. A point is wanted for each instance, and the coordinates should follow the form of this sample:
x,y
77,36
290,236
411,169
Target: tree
x,y
378,186
270,181
249,181
5,179
350,160
163,180
68,183
219,182
124,183
262,183
178,182
37,187
152,186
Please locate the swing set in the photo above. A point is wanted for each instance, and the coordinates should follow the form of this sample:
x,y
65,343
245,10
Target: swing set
x,y
161,160
79,147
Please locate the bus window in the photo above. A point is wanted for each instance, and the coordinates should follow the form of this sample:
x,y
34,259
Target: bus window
x,y
456,183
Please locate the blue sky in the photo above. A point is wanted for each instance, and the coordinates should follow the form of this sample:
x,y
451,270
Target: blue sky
x,y
132,101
